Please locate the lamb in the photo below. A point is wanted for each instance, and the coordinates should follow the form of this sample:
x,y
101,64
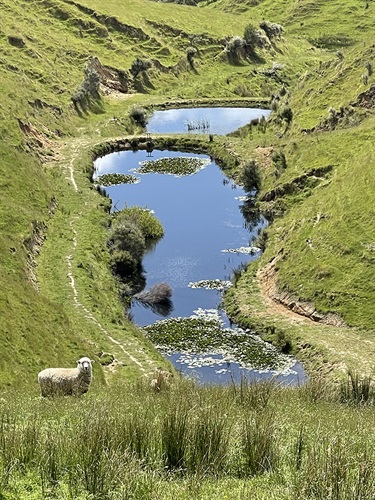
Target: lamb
x,y
66,381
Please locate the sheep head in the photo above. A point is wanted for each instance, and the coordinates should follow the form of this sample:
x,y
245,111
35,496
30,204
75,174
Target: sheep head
x,y
84,365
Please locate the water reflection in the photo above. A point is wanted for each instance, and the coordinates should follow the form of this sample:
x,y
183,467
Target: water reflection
x,y
203,120
206,219
215,369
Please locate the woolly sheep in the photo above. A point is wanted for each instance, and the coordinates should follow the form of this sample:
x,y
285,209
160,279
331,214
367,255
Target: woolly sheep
x,y
66,381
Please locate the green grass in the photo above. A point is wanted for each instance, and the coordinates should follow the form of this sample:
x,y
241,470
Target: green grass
x,y
185,440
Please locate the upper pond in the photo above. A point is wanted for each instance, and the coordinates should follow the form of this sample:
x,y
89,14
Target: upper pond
x,y
207,237
219,121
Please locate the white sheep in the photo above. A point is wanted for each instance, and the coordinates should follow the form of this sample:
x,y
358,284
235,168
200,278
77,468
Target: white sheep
x,y
66,381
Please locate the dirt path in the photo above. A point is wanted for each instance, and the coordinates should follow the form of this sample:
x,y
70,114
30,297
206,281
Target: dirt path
x,y
147,364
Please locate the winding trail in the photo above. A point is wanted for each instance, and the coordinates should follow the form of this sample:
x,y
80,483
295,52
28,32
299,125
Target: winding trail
x,y
148,364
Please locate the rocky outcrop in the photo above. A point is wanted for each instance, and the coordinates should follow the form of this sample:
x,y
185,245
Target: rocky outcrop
x,y
111,79
366,99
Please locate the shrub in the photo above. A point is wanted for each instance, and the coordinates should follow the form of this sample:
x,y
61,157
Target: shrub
x,y
272,30
235,48
123,263
139,115
250,178
149,225
287,114
139,65
127,236
190,54
251,37
161,292
89,88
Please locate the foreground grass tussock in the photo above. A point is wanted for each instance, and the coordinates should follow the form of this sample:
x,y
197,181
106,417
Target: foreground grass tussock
x,y
102,447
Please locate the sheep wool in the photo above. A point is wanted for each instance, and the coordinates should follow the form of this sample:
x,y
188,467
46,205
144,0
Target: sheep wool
x,y
66,381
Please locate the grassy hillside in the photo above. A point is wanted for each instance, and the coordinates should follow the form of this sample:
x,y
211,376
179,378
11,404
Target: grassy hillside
x,y
59,300
46,229
44,48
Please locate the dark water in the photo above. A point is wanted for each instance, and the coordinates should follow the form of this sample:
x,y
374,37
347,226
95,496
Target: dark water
x,y
203,120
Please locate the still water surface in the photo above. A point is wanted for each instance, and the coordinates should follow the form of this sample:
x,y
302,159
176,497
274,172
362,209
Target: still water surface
x,y
203,120
203,221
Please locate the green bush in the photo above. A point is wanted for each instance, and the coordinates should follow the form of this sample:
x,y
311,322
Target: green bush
x,y
139,116
253,38
89,88
123,263
235,48
272,30
139,65
250,178
127,236
190,54
149,225
287,114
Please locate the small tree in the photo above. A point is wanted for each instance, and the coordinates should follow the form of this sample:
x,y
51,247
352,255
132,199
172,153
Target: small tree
x,y
89,88
287,114
251,38
250,178
139,115
272,30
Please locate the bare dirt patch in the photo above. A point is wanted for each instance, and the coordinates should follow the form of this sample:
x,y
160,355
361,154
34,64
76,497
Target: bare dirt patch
x,y
283,303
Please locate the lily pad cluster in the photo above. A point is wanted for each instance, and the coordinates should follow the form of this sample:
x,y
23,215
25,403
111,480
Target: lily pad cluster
x,y
179,166
114,179
244,250
211,284
204,333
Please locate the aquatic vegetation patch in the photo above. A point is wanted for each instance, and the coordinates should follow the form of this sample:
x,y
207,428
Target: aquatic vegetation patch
x,y
244,250
114,179
204,333
211,284
202,125
179,166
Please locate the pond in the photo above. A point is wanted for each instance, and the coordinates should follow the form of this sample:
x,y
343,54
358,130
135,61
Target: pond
x,y
203,120
207,239
209,228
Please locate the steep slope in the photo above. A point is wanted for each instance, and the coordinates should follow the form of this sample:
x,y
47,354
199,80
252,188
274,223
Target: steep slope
x,y
44,47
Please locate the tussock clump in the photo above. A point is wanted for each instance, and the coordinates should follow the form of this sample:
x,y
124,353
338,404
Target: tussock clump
x,y
272,30
160,292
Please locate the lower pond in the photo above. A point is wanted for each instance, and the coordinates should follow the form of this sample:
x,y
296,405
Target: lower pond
x,y
208,237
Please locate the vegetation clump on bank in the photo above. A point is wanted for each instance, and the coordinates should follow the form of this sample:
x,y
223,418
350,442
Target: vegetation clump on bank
x,y
133,230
